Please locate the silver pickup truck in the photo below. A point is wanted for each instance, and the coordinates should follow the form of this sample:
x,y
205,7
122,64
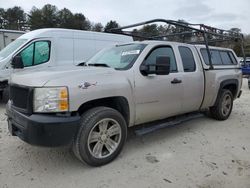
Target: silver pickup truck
x,y
131,84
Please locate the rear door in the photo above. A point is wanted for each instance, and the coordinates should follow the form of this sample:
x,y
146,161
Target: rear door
x,y
193,79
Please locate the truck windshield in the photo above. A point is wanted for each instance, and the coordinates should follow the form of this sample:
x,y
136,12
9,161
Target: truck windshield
x,y
120,57
13,46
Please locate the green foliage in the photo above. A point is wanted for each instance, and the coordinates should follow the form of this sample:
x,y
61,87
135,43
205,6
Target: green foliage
x,y
47,17
35,19
12,18
65,18
110,25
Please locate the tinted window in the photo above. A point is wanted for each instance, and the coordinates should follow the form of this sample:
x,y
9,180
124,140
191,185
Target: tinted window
x,y
225,58
42,50
36,53
205,56
162,51
215,57
27,55
232,58
187,59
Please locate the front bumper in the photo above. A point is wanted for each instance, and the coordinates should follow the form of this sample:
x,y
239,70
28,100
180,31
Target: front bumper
x,y
42,129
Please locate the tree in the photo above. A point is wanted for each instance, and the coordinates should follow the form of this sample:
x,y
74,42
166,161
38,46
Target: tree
x,y
43,18
35,19
80,22
149,30
2,18
65,18
235,45
14,18
110,25
97,27
49,16
235,30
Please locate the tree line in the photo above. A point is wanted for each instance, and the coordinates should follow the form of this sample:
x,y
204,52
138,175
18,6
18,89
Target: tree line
x,y
49,16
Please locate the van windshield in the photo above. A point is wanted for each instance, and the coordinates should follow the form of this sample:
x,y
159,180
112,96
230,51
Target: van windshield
x,y
120,57
13,46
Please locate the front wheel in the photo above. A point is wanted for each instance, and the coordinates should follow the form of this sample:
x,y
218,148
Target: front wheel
x,y
224,105
101,136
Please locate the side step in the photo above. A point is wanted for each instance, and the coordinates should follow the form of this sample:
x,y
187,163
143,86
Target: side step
x,y
156,125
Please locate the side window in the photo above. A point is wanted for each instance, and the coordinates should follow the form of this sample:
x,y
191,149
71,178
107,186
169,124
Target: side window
x,y
162,51
215,56
219,57
27,55
42,50
232,58
225,58
205,56
36,53
216,59
187,59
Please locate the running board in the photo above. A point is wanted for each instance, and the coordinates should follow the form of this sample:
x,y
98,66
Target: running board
x,y
154,126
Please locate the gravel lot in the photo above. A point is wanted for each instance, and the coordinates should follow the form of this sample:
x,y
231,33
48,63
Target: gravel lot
x,y
202,153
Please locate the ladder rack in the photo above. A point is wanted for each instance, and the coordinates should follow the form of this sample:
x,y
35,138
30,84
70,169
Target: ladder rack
x,y
207,33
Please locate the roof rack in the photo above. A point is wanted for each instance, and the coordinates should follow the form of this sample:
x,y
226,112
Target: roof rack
x,y
207,33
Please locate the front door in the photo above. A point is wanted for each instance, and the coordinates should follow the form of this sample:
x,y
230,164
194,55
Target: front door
x,y
158,96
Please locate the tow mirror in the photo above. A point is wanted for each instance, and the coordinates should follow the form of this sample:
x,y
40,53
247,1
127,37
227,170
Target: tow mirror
x,y
17,62
161,66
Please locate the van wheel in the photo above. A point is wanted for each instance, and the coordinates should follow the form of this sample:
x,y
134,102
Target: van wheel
x,y
223,108
101,136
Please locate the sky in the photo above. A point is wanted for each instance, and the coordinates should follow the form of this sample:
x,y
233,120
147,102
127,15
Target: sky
x,y
224,14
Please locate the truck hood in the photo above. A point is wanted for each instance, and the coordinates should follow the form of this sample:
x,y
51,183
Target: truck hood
x,y
38,78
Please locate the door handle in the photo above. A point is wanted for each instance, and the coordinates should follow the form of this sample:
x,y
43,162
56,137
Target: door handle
x,y
176,81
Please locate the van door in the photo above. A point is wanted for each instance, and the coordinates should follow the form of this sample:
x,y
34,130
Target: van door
x,y
36,54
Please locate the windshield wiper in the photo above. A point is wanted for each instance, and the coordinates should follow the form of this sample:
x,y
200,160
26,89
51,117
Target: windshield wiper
x,y
98,64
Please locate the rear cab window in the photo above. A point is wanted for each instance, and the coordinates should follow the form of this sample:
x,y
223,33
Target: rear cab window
x,y
187,58
219,57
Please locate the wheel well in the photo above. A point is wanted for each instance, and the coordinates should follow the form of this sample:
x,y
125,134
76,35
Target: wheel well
x,y
232,88
118,103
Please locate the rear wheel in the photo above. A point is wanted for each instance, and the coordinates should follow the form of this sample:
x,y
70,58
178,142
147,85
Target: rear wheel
x,y
101,136
223,108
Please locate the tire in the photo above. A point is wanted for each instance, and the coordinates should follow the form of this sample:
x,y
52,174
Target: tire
x,y
101,136
223,108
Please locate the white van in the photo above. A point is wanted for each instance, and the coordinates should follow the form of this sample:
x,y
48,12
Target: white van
x,y
54,47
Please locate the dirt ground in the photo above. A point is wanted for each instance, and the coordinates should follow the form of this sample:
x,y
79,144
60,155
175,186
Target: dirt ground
x,y
202,153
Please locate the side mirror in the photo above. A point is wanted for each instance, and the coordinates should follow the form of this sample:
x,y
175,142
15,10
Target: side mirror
x,y
161,66
17,62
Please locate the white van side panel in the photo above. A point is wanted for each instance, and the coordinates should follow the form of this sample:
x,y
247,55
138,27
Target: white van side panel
x,y
106,39
84,46
64,46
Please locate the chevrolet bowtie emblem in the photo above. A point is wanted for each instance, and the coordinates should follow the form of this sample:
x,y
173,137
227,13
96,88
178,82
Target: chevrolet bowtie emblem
x,y
86,85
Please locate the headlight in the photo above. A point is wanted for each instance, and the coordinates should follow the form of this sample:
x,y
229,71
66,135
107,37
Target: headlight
x,y
51,99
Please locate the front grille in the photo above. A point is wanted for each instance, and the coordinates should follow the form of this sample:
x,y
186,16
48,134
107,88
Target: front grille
x,y
19,97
